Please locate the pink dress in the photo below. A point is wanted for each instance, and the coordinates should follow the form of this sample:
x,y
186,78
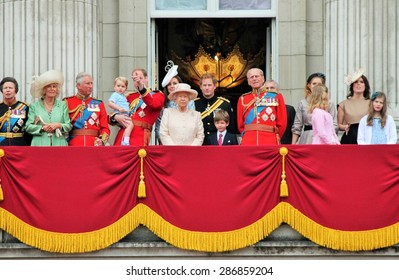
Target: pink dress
x,y
323,128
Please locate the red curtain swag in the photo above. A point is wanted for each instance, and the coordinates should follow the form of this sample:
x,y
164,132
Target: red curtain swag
x,y
81,199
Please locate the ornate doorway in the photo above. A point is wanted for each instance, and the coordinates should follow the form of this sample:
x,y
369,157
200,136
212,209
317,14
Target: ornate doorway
x,y
224,47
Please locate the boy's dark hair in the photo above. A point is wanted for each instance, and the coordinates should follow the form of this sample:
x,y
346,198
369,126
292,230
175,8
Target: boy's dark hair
x,y
221,115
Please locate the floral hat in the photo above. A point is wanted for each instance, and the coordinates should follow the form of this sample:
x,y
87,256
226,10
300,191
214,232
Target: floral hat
x,y
182,87
351,78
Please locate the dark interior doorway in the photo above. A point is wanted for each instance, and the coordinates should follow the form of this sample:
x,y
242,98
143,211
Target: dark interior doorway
x,y
193,44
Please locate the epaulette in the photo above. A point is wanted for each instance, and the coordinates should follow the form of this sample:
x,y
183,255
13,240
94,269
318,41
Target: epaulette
x,y
157,90
67,97
195,99
99,100
26,104
247,93
132,92
224,99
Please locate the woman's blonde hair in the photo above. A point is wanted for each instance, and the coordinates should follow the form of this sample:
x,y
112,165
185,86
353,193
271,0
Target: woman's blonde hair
x,y
319,98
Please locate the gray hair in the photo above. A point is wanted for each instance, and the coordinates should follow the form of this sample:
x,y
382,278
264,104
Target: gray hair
x,y
273,81
80,77
260,71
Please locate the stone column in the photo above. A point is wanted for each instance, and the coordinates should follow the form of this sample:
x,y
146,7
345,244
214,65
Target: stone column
x,y
292,49
363,34
39,35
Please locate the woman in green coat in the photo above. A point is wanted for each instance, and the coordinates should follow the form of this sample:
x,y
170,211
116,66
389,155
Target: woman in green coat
x,y
48,118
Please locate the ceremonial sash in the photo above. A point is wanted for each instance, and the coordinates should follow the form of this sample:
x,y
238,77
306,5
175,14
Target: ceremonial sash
x,y
211,109
7,118
79,123
134,107
252,114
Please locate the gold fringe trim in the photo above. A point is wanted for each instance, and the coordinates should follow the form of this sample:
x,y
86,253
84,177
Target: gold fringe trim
x,y
338,239
199,241
210,241
69,242
1,189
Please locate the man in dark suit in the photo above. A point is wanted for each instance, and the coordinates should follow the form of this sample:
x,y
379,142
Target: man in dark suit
x,y
287,136
221,137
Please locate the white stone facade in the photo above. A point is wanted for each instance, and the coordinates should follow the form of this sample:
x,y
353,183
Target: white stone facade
x,y
109,38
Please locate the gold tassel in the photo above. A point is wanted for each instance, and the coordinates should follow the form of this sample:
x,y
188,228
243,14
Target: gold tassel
x,y
1,193
1,190
283,184
141,191
283,188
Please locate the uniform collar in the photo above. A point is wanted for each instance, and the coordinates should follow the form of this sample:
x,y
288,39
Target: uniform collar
x,y
82,97
12,103
210,100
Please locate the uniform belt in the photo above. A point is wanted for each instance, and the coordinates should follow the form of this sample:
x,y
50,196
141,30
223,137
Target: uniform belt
x,y
11,134
261,127
144,125
307,127
85,132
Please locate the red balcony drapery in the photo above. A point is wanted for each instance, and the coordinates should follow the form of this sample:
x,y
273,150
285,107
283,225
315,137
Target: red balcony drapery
x,y
80,199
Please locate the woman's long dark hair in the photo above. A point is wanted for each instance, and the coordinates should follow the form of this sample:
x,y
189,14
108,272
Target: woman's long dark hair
x,y
166,92
366,93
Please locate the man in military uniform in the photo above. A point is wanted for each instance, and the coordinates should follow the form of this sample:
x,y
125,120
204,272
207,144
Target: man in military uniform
x,y
208,104
88,116
145,106
13,116
261,114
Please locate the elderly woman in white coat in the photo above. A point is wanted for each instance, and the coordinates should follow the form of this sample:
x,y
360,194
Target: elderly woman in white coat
x,y
182,126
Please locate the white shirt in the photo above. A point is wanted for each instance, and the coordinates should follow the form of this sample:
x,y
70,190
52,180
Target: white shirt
x,y
223,135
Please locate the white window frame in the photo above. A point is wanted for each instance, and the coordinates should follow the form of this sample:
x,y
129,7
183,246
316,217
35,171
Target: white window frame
x,y
212,12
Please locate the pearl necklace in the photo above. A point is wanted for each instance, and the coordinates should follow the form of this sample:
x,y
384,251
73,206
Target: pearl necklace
x,y
49,107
